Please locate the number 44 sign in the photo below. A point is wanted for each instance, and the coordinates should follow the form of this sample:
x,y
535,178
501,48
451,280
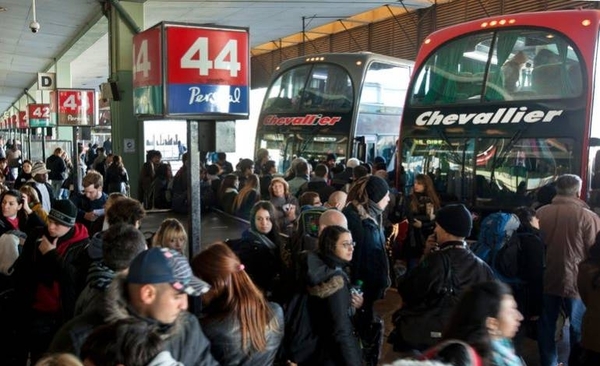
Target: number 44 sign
x,y
205,71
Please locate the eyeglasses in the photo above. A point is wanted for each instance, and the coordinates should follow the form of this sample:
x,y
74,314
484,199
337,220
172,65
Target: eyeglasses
x,y
348,245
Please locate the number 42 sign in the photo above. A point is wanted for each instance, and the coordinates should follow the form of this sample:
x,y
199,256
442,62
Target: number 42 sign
x,y
205,71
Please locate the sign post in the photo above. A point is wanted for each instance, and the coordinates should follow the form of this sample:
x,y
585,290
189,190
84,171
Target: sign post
x,y
197,73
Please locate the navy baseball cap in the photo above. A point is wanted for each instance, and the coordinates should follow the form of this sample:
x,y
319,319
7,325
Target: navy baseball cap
x,y
164,265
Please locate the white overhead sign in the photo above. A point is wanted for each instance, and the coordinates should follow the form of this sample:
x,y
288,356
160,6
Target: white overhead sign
x,y
46,81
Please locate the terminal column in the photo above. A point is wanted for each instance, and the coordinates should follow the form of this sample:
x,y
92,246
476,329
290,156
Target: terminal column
x,y
125,126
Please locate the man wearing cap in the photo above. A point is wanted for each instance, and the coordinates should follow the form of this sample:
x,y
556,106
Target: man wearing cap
x,y
46,276
431,290
156,290
39,181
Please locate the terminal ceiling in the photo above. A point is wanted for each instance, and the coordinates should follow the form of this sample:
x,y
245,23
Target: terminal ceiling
x,y
75,31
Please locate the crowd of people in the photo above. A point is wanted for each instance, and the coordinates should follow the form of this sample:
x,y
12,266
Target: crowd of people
x,y
84,285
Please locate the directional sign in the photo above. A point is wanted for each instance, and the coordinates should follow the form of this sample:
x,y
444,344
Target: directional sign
x,y
73,107
39,115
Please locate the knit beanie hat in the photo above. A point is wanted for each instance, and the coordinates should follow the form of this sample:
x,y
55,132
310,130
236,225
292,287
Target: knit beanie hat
x,y
376,188
455,219
63,212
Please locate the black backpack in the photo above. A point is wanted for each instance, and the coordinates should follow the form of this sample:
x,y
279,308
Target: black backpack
x,y
300,341
507,260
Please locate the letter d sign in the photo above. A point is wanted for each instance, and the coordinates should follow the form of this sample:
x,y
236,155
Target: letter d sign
x,y
46,81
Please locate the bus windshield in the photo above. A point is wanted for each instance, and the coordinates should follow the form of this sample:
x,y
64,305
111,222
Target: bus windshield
x,y
501,65
347,104
309,88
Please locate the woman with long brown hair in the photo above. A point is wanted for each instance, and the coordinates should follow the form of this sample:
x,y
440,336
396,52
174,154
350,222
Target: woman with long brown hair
x,y
247,197
116,176
242,326
228,191
423,203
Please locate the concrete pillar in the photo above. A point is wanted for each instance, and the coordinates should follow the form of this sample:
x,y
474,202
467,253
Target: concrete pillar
x,y
124,124
63,80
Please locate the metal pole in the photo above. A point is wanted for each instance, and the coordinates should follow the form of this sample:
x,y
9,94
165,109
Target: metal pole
x,y
193,189
75,160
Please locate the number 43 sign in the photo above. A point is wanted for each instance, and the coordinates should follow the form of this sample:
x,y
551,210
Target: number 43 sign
x,y
203,72
73,107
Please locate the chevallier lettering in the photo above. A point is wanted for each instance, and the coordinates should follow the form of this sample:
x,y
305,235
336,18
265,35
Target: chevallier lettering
x,y
502,115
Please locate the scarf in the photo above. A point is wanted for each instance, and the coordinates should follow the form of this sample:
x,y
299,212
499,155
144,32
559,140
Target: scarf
x,y
373,212
100,276
503,353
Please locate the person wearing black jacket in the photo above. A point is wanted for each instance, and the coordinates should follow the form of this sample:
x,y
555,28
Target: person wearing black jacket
x,y
367,200
531,262
244,329
318,183
24,175
432,289
58,170
331,305
46,277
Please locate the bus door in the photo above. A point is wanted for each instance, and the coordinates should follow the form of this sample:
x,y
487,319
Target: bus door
x,y
360,148
368,147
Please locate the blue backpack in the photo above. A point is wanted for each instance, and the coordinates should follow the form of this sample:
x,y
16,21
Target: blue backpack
x,y
493,241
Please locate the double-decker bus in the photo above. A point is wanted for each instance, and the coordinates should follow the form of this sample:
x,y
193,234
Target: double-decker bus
x,y
499,107
344,103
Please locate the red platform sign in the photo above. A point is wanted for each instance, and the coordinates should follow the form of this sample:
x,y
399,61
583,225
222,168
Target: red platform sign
x,y
23,120
207,56
191,71
39,115
73,107
147,65
14,123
